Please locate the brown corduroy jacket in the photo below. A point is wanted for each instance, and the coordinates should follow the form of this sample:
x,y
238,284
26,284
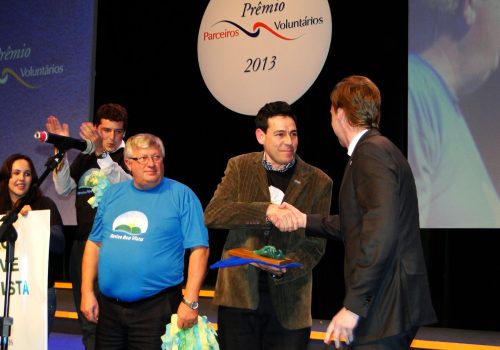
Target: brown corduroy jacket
x,y
239,204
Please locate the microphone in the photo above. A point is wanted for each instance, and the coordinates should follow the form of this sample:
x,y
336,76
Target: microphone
x,y
65,142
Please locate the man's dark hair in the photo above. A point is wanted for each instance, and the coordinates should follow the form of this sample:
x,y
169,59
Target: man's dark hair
x,y
112,111
273,109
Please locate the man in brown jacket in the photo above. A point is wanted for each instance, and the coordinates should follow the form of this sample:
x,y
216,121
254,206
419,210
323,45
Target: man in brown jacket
x,y
262,307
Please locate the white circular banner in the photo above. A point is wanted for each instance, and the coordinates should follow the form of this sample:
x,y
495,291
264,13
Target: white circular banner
x,y
252,53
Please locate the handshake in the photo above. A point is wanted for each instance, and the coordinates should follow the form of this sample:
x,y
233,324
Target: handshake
x,y
286,217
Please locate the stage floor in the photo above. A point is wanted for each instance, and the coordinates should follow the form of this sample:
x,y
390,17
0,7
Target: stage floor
x,y
66,332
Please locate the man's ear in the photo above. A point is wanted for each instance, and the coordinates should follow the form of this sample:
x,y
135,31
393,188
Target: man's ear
x,y
341,115
260,136
127,163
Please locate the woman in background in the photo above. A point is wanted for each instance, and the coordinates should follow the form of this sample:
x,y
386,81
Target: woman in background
x,y
17,175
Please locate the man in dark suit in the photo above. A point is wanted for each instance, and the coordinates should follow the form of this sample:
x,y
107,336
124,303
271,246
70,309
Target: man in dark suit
x,y
387,293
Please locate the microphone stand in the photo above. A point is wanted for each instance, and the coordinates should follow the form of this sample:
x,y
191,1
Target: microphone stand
x,y
9,234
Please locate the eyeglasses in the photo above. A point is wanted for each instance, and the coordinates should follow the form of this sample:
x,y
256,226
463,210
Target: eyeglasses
x,y
143,160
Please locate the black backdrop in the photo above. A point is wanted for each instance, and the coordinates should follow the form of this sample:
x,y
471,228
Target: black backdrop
x,y
146,59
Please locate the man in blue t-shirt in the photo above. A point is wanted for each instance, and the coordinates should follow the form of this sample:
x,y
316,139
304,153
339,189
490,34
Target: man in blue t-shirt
x,y
136,247
454,49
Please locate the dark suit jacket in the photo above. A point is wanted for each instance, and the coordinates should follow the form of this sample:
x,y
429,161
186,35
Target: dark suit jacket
x,y
384,271
239,204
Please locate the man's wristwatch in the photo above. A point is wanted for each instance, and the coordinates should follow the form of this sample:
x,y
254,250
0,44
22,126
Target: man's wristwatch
x,y
192,304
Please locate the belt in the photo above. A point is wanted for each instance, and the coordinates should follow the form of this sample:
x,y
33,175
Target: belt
x,y
157,295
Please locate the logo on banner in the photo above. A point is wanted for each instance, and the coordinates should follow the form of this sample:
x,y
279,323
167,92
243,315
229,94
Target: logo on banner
x,y
252,53
24,72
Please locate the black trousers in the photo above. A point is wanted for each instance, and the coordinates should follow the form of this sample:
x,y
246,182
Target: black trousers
x,y
244,329
75,270
400,341
136,325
